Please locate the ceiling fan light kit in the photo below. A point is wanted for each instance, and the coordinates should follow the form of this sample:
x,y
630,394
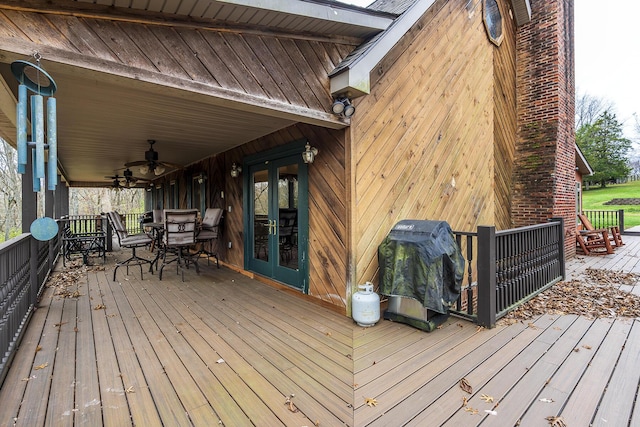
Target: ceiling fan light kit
x,y
151,162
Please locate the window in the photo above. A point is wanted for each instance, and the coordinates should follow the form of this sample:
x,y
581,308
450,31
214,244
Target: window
x,y
198,192
492,21
173,195
159,202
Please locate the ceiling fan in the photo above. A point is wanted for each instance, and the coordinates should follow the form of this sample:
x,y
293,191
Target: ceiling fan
x,y
151,162
125,181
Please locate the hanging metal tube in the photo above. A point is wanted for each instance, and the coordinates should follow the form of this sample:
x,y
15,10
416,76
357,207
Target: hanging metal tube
x,y
37,122
21,127
52,141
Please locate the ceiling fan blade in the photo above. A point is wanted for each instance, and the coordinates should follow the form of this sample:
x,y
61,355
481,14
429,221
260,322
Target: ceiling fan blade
x,y
169,165
136,163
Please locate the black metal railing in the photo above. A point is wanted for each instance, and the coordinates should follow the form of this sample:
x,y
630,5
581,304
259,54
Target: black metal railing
x,y
25,264
512,266
84,235
606,219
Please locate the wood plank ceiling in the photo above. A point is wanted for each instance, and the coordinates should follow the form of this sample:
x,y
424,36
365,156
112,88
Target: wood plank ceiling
x,y
196,84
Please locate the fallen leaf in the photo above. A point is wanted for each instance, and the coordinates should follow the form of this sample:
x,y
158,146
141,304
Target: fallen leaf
x,y
588,347
595,294
486,398
532,326
370,401
464,401
99,307
490,412
556,421
465,386
289,402
472,411
129,390
38,348
220,361
37,368
545,400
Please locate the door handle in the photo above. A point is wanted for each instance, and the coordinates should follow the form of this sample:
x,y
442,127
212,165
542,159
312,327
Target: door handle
x,y
272,226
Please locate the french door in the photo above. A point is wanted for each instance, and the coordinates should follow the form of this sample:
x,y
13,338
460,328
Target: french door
x,y
276,203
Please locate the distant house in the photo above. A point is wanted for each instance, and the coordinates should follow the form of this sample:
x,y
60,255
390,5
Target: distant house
x,y
463,113
582,169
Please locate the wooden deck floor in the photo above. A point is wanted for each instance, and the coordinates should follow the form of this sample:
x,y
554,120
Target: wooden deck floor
x,y
221,349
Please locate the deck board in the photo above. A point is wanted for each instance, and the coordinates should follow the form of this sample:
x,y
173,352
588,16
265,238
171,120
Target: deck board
x,y
87,387
146,353
112,390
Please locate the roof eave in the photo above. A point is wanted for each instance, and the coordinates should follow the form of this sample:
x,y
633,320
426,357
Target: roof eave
x,y
325,12
582,164
354,80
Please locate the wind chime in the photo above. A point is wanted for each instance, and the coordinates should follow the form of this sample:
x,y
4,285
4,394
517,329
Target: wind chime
x,y
32,77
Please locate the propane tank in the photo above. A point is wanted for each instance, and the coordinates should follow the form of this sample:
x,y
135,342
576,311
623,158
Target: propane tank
x,y
365,306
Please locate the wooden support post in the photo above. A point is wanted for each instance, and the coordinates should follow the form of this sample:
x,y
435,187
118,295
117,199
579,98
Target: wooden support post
x,y
109,242
486,276
29,198
621,220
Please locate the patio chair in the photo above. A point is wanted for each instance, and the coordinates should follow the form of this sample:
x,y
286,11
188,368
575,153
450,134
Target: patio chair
x,y
594,242
131,241
614,231
179,235
209,232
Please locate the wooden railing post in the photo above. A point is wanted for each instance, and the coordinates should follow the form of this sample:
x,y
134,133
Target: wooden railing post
x,y
621,220
486,276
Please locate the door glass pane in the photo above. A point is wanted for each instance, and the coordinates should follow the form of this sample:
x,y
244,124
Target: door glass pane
x,y
261,215
288,216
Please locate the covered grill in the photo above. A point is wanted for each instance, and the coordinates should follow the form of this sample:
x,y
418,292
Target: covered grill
x,y
421,269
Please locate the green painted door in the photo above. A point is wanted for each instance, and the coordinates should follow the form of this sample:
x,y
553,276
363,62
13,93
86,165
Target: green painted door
x,y
276,200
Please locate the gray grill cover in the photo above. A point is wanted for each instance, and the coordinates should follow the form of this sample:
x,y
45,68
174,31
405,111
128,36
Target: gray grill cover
x,y
420,259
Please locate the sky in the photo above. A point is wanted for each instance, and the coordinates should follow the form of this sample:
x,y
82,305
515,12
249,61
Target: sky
x,y
607,54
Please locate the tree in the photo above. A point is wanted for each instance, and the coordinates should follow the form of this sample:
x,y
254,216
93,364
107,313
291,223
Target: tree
x,y
10,192
589,108
605,148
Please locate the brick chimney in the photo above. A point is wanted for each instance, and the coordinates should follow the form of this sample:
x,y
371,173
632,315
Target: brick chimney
x,y
544,172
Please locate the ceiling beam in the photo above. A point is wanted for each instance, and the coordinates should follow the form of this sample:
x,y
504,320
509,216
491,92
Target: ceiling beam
x,y
72,63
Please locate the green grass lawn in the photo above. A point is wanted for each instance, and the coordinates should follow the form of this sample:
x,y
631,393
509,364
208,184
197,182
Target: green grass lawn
x,y
594,199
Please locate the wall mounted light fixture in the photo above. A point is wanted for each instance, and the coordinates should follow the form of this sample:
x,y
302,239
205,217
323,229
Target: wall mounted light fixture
x,y
343,106
309,153
235,170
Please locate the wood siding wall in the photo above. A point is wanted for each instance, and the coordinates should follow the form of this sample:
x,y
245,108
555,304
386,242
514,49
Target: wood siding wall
x,y
278,67
505,118
424,139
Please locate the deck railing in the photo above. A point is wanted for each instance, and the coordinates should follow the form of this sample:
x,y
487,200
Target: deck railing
x,y
511,267
25,264
132,222
606,219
